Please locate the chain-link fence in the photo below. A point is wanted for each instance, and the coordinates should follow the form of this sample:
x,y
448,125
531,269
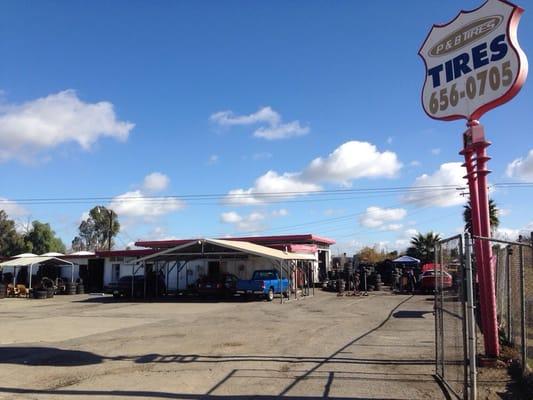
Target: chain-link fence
x,y
451,316
514,296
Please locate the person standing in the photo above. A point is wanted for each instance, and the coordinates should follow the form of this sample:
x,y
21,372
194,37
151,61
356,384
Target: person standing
x,y
396,280
412,280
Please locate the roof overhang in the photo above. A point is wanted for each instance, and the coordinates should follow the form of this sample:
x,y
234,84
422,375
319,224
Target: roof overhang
x,y
27,261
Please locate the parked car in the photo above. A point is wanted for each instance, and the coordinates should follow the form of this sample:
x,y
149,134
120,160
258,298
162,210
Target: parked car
x,y
264,282
222,285
427,281
124,286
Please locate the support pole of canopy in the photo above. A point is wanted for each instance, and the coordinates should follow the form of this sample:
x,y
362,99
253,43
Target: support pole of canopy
x,y
166,278
144,271
31,270
280,277
312,264
296,277
132,278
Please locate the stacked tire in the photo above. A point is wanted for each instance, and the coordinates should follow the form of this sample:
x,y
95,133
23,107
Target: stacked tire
x,y
40,293
378,283
49,293
80,289
70,288
3,289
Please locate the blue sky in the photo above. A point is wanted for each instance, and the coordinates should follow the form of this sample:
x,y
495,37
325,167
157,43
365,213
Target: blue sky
x,y
98,96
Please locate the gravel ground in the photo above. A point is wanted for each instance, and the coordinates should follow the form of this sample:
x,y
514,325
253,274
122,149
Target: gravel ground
x,y
81,347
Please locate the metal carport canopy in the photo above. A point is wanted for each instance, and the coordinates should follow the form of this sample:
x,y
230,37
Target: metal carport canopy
x,y
31,261
26,261
238,246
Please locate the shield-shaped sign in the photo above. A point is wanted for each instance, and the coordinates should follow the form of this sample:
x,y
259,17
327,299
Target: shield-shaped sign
x,y
473,63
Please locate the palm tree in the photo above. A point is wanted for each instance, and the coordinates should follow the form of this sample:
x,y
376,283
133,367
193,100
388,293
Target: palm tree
x,y
493,216
424,246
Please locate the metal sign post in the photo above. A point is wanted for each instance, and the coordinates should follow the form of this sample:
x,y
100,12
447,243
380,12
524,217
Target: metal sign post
x,y
474,64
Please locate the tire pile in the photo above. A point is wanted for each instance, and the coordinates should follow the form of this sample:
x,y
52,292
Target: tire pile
x,y
70,288
46,291
375,283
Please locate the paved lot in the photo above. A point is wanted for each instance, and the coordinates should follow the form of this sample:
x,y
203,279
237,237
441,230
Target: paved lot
x,y
77,347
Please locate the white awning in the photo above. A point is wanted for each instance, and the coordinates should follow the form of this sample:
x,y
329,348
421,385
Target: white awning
x,y
239,246
26,261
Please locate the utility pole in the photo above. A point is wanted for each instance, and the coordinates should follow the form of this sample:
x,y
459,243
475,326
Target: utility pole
x,y
110,230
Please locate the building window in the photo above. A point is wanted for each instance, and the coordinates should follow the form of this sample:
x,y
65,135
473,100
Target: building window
x,y
116,272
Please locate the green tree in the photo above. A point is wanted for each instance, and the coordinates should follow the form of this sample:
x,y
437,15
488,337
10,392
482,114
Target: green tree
x,y
493,216
42,239
11,242
98,230
78,244
423,246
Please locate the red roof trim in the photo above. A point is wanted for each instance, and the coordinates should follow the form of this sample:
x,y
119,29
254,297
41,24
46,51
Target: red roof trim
x,y
265,240
126,253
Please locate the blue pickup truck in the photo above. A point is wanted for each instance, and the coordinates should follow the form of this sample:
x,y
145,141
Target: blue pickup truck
x,y
264,282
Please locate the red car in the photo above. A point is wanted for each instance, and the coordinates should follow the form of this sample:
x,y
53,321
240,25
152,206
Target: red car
x,y
427,281
223,285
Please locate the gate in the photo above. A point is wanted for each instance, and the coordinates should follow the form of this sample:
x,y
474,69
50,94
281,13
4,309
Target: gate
x,y
513,264
454,317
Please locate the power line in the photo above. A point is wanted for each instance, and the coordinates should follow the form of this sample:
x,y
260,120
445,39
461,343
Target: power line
x,y
259,197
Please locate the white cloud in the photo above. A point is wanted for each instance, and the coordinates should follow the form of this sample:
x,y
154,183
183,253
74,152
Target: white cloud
x,y
282,212
411,232
449,175
353,160
272,126
415,163
504,212
401,244
230,217
12,209
435,151
29,128
282,131
521,168
391,227
213,159
377,217
270,183
252,222
404,240
389,140
263,115
136,204
155,182
506,233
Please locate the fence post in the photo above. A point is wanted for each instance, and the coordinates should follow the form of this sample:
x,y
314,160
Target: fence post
x,y
523,325
508,258
470,320
436,311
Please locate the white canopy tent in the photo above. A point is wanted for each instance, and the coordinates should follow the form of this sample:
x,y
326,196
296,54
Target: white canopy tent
x,y
35,260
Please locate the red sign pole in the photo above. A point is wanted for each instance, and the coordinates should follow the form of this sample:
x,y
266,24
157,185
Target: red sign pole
x,y
471,177
474,142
